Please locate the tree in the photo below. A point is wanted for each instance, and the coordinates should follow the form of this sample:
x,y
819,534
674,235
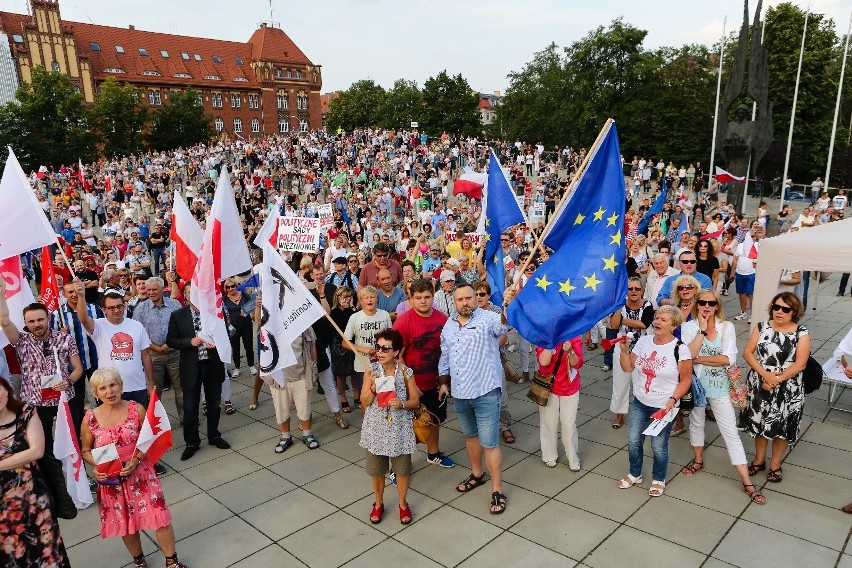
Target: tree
x,y
48,123
450,105
180,123
356,107
120,117
400,106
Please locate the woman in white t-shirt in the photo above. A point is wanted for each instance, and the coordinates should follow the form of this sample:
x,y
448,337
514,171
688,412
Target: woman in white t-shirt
x,y
661,368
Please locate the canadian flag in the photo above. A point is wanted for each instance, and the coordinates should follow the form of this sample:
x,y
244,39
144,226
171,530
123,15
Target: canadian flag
x,y
49,286
18,293
155,436
223,253
187,236
67,450
470,183
723,177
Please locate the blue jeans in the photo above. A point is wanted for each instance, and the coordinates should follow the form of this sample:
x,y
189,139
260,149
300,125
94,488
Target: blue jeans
x,y
159,259
640,417
481,417
191,401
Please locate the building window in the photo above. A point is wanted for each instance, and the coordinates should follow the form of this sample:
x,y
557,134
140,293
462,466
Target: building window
x,y
235,101
254,101
238,125
197,57
199,100
217,59
301,101
255,125
277,73
182,75
219,124
216,100
55,66
303,125
154,97
184,55
282,125
282,102
119,49
289,74
153,73
17,38
213,77
239,60
298,74
143,52
95,46
113,70
164,53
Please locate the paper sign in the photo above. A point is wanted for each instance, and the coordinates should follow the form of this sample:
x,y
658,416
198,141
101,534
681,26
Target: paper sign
x,y
47,384
299,234
660,419
520,200
475,238
326,216
385,390
106,460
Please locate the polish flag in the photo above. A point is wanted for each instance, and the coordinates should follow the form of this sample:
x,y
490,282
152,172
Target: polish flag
x,y
155,436
714,235
18,293
269,230
187,235
49,286
470,183
81,175
723,177
67,450
223,253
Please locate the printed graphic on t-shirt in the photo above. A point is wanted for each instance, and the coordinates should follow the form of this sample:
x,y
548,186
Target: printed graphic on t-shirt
x,y
122,347
649,365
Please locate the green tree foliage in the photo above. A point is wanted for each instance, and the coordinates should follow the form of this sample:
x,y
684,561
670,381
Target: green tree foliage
x,y
356,107
400,106
120,117
449,105
48,123
180,123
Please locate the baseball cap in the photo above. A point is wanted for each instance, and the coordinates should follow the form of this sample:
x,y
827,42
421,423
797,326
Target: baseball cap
x,y
447,275
454,261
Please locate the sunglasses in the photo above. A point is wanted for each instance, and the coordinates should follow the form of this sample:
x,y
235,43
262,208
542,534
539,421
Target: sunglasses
x,y
353,261
380,255
634,289
231,287
785,309
45,349
687,287
504,240
711,303
688,261
384,348
482,294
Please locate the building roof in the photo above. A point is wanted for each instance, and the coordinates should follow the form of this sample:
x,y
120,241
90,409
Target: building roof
x,y
484,103
272,44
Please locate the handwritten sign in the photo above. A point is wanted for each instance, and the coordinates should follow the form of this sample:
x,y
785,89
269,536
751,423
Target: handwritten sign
x,y
299,234
475,238
326,216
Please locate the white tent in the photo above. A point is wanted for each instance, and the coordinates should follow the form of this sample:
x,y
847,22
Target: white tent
x,y
826,248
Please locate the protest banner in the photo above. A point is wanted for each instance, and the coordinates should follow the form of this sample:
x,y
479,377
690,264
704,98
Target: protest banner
x,y
326,216
299,234
475,238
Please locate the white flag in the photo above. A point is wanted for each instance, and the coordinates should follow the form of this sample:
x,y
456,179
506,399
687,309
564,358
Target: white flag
x,y
235,253
269,230
24,226
275,348
18,293
66,449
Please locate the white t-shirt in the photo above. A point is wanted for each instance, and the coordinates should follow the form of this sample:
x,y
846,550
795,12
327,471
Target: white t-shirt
x,y
120,347
745,265
362,329
656,375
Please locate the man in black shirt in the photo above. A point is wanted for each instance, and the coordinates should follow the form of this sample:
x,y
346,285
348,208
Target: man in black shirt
x,y
90,281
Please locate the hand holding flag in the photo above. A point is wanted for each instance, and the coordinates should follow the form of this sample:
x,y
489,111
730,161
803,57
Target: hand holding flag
x,y
502,212
155,436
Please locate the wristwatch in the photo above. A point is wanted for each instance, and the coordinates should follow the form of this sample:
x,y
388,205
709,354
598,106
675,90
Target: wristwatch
x,y
702,332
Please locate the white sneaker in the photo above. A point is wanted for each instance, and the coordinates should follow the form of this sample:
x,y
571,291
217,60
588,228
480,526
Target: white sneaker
x,y
551,463
741,317
235,373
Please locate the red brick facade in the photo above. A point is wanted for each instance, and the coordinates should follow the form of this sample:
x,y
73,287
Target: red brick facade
x,y
265,83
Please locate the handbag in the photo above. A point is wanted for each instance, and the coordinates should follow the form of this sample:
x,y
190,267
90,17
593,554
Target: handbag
x,y
342,359
737,390
423,421
541,385
54,479
512,374
812,374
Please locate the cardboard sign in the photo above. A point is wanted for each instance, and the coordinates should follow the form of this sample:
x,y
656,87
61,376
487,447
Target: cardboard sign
x,y
299,234
326,216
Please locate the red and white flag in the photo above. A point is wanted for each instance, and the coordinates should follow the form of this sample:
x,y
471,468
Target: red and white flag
x,y
24,226
67,450
49,286
155,436
723,177
187,236
18,293
269,230
81,175
107,183
223,253
470,183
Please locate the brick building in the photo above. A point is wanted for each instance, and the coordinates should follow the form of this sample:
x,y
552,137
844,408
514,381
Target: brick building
x,y
263,86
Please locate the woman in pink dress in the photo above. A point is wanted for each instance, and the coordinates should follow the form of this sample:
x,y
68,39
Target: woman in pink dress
x,y
134,501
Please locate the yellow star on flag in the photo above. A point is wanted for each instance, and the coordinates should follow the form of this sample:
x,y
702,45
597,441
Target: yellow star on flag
x,y
542,282
566,287
592,282
610,263
599,213
487,237
616,238
487,222
611,220
580,218
496,259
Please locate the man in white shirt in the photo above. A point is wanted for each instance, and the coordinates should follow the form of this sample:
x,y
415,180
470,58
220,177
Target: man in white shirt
x,y
816,188
745,261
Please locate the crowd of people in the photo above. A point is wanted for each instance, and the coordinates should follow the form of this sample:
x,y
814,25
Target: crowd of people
x,y
401,277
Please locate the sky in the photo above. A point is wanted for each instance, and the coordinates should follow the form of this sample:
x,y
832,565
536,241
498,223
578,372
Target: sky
x,y
385,40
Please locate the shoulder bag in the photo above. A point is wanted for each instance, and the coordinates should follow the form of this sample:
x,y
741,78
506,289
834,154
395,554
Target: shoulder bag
x,y
541,385
812,374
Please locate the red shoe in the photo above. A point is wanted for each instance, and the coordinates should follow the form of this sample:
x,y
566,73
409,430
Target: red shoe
x,y
405,515
377,513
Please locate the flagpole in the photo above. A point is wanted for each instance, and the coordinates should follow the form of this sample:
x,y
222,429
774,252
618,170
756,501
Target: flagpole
x,y
793,112
837,104
592,151
65,258
711,171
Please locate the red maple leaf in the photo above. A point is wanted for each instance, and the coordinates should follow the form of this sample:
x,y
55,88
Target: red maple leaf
x,y
78,462
155,424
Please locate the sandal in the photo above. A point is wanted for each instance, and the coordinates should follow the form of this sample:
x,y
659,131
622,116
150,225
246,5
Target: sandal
x,y
254,405
344,406
311,442
508,436
139,561
229,408
755,495
377,513
404,514
753,468
774,475
498,500
847,509
657,488
618,422
693,468
173,562
628,482
343,424
472,482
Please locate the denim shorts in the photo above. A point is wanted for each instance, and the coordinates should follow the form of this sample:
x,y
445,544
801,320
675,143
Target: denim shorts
x,y
481,417
745,283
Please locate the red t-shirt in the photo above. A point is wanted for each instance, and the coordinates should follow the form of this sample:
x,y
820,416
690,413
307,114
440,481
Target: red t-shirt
x,y
421,337
562,385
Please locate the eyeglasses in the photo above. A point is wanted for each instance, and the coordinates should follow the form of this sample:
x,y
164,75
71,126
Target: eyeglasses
x,y
353,261
482,294
114,308
530,269
785,309
504,240
230,287
634,289
687,287
711,303
380,255
384,348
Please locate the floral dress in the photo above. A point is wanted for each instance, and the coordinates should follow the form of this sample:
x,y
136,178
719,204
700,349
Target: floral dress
x,y
29,531
388,431
778,412
137,503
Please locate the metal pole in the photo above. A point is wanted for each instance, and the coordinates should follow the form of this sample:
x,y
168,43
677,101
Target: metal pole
x,y
837,104
711,172
793,113
753,116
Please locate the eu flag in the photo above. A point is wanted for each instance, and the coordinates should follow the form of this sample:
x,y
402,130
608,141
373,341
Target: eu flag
x,y
501,212
585,279
656,208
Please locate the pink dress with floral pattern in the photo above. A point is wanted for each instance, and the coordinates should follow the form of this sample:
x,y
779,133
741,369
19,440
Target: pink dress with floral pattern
x,y
137,503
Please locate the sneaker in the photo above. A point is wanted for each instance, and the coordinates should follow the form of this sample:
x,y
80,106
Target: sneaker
x,y
551,463
741,317
235,373
392,476
606,368
440,459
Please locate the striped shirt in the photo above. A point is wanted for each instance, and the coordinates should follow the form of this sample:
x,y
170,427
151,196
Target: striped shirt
x,y
470,354
84,343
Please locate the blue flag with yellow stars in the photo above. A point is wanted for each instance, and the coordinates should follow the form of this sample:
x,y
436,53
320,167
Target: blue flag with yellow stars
x,y
501,212
656,209
585,279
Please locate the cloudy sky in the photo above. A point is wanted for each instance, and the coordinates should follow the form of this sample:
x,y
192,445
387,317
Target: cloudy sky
x,y
385,40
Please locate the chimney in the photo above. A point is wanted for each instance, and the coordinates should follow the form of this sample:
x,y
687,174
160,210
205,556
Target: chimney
x,y
131,27
496,93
